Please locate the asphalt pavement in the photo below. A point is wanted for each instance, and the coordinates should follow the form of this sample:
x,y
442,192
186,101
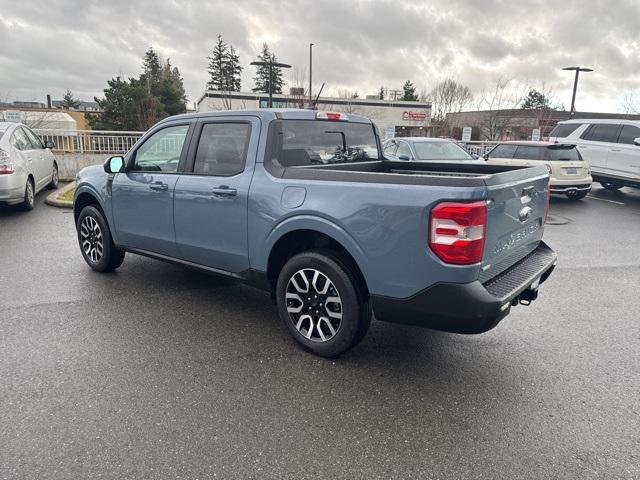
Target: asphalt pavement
x,y
159,371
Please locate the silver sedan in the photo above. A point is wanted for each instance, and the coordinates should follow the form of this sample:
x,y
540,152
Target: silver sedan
x,y
425,149
26,165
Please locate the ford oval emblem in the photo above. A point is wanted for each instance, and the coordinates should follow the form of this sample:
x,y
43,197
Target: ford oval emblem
x,y
524,214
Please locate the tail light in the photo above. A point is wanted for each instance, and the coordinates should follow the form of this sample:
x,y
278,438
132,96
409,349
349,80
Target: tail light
x,y
331,116
457,231
6,167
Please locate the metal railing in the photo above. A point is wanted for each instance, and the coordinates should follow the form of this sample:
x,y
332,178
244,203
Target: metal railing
x,y
477,148
89,141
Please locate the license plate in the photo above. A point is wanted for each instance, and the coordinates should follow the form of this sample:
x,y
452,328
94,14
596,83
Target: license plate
x,y
571,171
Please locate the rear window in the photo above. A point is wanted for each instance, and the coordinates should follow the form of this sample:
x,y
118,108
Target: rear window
x,y
440,151
564,129
564,152
527,152
322,142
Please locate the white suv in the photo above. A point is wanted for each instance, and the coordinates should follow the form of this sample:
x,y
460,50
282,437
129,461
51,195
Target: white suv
x,y
611,146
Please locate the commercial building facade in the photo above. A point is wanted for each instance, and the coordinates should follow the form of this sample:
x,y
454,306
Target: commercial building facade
x,y
393,118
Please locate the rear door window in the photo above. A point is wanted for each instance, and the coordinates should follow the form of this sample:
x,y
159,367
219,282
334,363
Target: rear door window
x,y
20,140
602,132
33,139
222,149
502,151
564,129
628,134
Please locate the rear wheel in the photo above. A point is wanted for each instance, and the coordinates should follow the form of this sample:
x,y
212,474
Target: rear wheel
x,y
576,195
54,177
611,186
95,241
322,303
29,195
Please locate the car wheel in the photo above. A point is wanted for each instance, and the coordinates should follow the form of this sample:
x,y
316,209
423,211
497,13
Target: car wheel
x,y
322,303
611,186
29,195
95,241
54,177
576,195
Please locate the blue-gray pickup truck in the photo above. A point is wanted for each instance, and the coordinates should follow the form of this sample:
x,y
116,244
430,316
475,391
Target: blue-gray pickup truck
x,y
303,204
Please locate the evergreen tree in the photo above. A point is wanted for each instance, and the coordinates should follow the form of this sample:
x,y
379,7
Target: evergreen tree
x,y
224,68
69,101
170,90
536,100
262,80
409,91
381,92
151,68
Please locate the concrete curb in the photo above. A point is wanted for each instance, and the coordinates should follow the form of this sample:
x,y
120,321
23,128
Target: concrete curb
x,y
52,198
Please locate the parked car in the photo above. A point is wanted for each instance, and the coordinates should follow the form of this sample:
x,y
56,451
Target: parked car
x,y
425,149
303,204
610,146
570,174
26,165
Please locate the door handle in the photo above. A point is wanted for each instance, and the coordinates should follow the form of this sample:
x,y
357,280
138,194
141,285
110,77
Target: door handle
x,y
224,190
159,186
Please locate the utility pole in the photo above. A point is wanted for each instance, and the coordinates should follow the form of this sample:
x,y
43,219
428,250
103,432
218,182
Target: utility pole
x,y
575,85
310,72
271,64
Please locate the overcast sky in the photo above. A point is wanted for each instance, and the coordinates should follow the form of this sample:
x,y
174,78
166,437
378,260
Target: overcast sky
x,y
48,46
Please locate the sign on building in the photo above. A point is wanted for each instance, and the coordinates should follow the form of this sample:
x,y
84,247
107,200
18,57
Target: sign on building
x,y
466,134
14,116
535,135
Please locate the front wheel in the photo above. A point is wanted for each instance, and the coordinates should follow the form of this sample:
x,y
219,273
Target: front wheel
x,y
611,186
322,303
576,195
95,241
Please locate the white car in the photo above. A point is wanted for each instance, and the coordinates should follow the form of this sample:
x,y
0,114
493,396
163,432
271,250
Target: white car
x,y
610,146
26,165
570,174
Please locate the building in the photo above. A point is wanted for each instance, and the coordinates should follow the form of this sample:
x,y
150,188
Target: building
x,y
515,124
393,118
84,106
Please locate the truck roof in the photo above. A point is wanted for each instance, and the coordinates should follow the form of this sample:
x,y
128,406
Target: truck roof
x,y
266,114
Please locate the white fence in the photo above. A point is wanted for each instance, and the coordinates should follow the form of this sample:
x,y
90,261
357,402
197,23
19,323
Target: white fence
x,y
477,148
90,141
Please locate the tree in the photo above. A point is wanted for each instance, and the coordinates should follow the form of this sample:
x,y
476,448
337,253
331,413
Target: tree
x,y
536,100
224,68
69,101
262,80
381,92
138,103
448,96
409,91
499,104
631,103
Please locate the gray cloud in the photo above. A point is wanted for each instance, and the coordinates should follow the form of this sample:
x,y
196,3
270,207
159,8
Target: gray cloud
x,y
46,47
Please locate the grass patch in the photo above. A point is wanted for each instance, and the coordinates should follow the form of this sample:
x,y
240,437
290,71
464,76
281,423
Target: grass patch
x,y
67,196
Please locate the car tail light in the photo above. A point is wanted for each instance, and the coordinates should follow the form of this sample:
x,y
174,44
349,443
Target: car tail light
x,y
331,116
6,167
457,231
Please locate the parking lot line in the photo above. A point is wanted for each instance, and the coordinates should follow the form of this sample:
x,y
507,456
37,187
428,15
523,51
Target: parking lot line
x,y
605,200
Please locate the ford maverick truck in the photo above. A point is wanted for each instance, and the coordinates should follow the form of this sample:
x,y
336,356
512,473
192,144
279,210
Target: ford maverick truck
x,y
303,204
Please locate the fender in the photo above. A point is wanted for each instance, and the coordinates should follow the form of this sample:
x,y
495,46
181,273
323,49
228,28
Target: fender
x,y
103,200
319,224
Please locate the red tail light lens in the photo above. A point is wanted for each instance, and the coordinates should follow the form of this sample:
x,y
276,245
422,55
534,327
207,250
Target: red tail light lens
x,y
457,231
6,168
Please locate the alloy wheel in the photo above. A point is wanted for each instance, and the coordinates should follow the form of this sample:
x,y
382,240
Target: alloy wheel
x,y
314,305
91,237
54,176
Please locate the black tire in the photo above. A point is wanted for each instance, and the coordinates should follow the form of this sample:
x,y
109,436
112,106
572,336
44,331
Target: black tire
x,y
314,334
54,177
93,232
29,201
576,195
611,186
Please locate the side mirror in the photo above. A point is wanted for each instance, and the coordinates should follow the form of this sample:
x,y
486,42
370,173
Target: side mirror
x,y
49,144
404,157
113,164
636,141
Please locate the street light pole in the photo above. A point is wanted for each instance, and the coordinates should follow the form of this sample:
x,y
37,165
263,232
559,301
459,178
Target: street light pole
x,y
271,64
310,72
575,85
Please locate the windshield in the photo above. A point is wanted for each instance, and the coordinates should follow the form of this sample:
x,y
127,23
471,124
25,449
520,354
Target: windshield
x,y
440,151
322,142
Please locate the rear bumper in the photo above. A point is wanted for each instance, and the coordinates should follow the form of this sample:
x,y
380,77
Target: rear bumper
x,y
578,187
470,307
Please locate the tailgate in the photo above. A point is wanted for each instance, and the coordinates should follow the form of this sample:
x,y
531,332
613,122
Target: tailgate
x,y
516,206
